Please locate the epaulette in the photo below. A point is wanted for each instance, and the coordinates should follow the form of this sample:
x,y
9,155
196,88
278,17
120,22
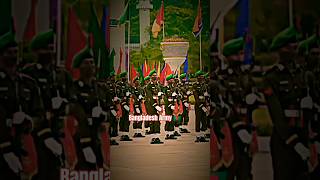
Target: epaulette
x,y
27,77
2,74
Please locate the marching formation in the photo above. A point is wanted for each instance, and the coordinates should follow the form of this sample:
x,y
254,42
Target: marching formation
x,y
289,89
50,121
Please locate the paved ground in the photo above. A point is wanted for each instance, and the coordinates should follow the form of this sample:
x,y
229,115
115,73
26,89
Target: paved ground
x,y
180,159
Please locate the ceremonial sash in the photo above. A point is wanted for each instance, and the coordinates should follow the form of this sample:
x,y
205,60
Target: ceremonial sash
x,y
313,156
181,107
68,143
131,105
119,112
227,146
105,148
29,162
143,108
215,158
254,148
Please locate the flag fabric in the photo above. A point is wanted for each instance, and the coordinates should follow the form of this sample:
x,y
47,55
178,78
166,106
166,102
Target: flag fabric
x,y
133,72
146,69
76,41
165,71
5,16
186,66
219,11
99,45
158,69
120,64
127,62
243,30
198,25
111,60
141,77
30,29
105,25
125,14
158,22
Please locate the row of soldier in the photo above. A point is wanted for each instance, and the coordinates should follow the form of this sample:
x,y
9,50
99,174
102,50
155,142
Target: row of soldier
x,y
49,121
289,89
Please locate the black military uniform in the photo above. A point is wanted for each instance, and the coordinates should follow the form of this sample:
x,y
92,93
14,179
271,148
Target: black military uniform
x,y
113,102
200,107
124,95
138,103
288,143
170,99
186,92
153,92
90,112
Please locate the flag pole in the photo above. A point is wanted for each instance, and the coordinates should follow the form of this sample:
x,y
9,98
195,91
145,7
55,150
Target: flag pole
x,y
200,51
290,13
59,32
128,51
163,21
128,48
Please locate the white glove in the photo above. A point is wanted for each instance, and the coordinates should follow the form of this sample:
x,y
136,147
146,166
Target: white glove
x,y
19,117
186,104
251,98
126,107
140,96
57,101
54,146
115,99
302,151
128,93
188,93
204,109
138,110
159,93
13,162
172,107
317,143
245,136
158,108
97,111
114,113
174,94
89,155
306,102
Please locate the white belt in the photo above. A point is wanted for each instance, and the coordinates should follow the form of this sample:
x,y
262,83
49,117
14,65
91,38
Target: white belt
x,y
201,97
291,113
243,110
155,97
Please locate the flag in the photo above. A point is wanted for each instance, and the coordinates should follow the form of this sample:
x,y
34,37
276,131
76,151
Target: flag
x,y
158,22
146,69
111,60
99,45
186,66
127,62
165,71
133,72
219,10
158,71
120,64
5,16
76,40
197,26
124,16
105,25
141,77
243,30
30,29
